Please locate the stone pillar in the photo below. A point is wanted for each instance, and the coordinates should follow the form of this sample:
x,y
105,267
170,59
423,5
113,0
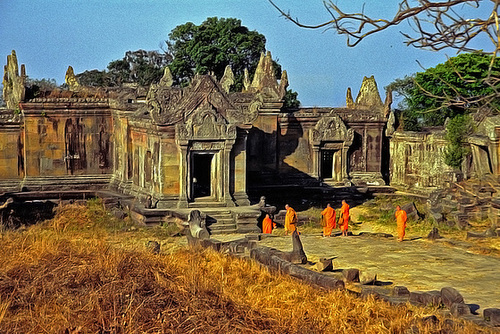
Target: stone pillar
x,y
316,165
183,177
226,160
240,169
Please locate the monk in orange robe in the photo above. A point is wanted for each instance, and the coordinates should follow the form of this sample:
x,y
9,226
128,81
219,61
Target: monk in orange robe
x,y
401,219
329,219
267,225
290,220
344,218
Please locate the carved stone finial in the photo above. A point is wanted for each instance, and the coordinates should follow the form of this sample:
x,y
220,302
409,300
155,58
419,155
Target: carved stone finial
x,y
246,80
167,80
283,84
264,78
369,96
227,79
349,100
13,83
71,79
388,102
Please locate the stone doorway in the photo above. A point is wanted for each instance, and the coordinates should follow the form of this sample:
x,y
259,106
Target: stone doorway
x,y
331,167
202,171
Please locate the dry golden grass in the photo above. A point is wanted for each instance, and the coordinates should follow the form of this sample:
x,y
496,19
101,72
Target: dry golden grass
x,y
74,277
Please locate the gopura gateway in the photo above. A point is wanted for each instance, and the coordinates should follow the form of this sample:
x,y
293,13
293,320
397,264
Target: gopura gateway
x,y
205,143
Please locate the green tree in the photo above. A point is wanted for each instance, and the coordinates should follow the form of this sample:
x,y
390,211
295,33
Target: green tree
x,y
142,67
461,85
36,87
457,131
211,46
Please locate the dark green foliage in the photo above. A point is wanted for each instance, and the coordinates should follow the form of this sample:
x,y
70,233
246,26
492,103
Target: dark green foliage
x,y
457,131
291,101
213,45
36,87
459,86
142,67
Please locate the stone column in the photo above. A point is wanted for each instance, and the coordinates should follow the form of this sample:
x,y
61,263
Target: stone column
x,y
240,169
225,162
183,176
316,152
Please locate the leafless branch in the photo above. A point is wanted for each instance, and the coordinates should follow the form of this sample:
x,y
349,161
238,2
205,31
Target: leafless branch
x,y
436,24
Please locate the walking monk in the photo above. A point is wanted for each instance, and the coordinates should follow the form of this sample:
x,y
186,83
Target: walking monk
x,y
401,219
267,225
329,220
290,219
344,218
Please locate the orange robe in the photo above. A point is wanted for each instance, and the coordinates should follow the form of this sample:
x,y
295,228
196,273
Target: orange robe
x,y
267,226
344,220
401,219
290,220
329,217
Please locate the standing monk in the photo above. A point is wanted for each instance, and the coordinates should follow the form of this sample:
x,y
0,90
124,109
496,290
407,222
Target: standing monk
x,y
344,218
267,225
401,219
290,219
329,219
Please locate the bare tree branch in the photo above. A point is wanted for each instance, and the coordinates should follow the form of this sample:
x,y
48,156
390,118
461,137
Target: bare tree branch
x,y
436,24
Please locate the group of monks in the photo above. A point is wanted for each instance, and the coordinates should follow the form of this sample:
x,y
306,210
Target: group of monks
x,y
330,222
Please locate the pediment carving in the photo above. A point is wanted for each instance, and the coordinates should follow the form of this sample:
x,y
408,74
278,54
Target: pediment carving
x,y
331,128
168,105
205,123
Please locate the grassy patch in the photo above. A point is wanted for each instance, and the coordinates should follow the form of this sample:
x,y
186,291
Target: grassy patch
x,y
74,274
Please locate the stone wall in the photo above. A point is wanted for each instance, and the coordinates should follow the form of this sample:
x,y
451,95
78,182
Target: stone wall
x,y
416,160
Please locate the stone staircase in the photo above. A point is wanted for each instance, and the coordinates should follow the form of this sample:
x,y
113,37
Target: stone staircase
x,y
220,221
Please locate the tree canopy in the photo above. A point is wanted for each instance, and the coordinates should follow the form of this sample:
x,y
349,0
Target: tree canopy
x,y
192,49
142,67
461,85
211,46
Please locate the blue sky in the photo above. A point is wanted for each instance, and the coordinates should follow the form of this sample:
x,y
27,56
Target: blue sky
x,y
50,35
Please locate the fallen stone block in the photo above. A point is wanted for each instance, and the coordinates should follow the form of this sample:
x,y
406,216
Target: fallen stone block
x,y
324,265
450,296
351,275
434,234
400,291
492,315
430,319
367,279
459,309
411,211
471,235
427,298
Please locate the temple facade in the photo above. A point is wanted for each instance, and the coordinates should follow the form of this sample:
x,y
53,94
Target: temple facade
x,y
201,143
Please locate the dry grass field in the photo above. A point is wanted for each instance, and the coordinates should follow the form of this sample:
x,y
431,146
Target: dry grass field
x,y
87,272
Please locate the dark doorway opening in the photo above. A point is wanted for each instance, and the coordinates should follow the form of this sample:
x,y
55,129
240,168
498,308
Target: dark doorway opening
x,y
327,164
201,174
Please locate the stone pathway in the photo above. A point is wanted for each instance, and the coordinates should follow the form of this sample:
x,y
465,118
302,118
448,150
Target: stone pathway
x,y
420,265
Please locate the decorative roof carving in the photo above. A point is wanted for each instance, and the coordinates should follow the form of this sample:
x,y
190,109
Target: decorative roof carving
x,y
388,102
348,100
227,79
167,80
331,128
13,83
264,81
170,105
368,96
71,79
205,123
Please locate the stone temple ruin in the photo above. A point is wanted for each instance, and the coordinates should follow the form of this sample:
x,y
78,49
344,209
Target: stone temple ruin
x,y
165,149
